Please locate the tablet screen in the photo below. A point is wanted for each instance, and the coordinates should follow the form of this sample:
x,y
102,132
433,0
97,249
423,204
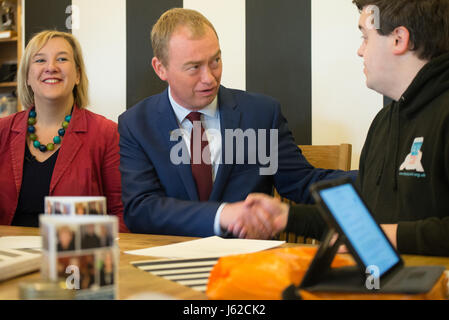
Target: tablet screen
x,y
360,228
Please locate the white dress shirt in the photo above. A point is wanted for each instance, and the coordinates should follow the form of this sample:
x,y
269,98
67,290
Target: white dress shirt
x,y
210,119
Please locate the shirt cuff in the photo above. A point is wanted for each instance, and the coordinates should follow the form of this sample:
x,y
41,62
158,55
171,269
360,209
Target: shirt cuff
x,y
217,228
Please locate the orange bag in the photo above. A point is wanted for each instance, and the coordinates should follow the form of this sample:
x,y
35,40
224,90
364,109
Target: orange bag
x,y
262,275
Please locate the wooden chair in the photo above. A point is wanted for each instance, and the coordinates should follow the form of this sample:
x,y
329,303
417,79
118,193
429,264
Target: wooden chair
x,y
329,157
337,157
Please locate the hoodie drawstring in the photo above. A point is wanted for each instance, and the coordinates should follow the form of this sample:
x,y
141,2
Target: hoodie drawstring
x,y
382,167
396,150
381,171
395,122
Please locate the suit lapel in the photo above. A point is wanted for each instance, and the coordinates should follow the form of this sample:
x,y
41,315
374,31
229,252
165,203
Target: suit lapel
x,y
229,119
18,148
167,124
71,144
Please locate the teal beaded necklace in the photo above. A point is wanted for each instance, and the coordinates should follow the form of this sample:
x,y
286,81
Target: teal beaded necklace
x,y
56,140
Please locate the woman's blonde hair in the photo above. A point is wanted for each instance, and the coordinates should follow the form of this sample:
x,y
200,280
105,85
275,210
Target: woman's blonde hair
x,y
26,94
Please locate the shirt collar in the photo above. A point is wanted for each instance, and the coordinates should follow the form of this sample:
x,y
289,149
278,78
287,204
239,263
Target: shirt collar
x,y
181,113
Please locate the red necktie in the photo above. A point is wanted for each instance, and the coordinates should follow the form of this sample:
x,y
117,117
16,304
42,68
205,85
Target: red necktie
x,y
201,168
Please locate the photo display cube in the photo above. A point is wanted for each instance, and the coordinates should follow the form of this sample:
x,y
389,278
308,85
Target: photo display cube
x,y
82,253
76,205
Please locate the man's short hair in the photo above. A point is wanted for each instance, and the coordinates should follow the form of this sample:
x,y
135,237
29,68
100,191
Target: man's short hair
x,y
169,22
426,20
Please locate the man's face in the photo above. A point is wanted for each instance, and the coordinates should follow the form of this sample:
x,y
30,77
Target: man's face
x,y
193,68
376,51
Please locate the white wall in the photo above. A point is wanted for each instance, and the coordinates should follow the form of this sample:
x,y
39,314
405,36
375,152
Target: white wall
x,y
342,106
229,20
102,35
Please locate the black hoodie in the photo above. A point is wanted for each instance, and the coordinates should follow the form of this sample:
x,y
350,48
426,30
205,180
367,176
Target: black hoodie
x,y
404,167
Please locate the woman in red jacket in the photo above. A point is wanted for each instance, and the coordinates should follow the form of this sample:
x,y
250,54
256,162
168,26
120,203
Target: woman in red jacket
x,y
56,147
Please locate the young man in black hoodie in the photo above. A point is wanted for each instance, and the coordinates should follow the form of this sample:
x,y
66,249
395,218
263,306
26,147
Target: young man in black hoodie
x,y
404,165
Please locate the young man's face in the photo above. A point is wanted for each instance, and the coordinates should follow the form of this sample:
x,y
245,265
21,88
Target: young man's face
x,y
376,51
194,68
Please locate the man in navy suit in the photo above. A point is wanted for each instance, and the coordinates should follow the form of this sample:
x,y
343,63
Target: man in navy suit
x,y
168,191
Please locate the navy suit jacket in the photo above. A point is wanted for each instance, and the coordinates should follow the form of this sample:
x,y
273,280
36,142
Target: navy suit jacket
x,y
160,197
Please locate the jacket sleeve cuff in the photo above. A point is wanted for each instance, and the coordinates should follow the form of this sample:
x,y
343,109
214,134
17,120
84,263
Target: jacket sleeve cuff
x,y
406,237
305,220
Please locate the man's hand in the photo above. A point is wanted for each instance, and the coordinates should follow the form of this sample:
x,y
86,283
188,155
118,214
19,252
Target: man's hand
x,y
239,219
262,217
391,231
277,210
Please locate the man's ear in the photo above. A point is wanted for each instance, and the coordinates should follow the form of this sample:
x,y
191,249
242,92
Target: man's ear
x,y
159,68
401,37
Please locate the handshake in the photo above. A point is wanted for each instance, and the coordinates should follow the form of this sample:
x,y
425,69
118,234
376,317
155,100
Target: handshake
x,y
258,217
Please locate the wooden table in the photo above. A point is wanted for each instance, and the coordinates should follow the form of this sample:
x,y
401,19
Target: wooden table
x,y
133,281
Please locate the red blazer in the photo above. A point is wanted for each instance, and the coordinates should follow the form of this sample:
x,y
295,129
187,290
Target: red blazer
x,y
87,163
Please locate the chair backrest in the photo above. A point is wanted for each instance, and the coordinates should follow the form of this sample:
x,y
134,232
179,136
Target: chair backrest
x,y
328,157
337,157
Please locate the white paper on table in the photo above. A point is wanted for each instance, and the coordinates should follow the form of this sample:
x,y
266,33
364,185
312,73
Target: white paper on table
x,y
207,247
23,242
